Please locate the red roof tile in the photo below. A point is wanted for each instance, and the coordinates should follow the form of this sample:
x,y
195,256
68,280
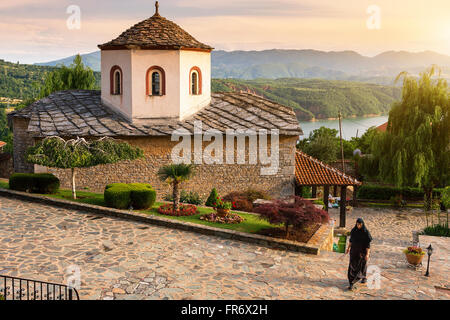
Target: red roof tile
x,y
383,127
310,171
2,144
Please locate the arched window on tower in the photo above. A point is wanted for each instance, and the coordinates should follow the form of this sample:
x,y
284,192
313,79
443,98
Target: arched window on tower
x,y
116,80
156,81
195,81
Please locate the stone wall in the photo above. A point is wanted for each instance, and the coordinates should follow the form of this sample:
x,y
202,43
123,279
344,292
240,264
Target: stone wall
x,y
224,177
6,165
22,141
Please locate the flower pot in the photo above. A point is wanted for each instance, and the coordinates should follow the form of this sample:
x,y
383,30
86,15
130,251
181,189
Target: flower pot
x,y
414,259
223,212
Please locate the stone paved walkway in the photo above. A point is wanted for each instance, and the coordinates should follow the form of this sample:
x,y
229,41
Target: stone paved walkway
x,y
126,260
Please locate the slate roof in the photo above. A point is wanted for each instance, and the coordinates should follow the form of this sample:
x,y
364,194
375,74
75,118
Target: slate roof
x,y
81,113
155,33
312,172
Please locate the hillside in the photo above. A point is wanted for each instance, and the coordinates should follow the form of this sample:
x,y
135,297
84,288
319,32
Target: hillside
x,y
22,81
275,64
311,98
319,99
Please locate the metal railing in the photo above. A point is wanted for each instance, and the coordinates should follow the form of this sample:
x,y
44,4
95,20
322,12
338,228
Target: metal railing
x,y
12,288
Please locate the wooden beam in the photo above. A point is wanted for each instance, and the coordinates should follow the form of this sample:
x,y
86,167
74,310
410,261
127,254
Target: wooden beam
x,y
314,192
355,196
335,193
326,192
343,207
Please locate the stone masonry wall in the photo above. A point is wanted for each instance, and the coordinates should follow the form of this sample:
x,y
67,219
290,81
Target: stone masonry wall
x,y
6,165
22,141
225,178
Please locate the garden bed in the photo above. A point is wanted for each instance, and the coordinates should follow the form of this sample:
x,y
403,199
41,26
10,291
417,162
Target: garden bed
x,y
303,235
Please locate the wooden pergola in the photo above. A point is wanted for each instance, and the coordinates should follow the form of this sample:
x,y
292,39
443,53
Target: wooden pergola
x,y
310,172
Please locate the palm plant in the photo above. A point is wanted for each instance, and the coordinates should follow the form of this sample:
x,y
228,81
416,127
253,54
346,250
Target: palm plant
x,y
175,174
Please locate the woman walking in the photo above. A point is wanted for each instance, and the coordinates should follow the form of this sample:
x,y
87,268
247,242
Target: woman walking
x,y
359,249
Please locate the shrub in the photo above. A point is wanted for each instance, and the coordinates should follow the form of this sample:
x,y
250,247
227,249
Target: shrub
x,y
212,198
446,197
294,211
398,201
190,198
44,183
123,196
437,230
372,192
243,201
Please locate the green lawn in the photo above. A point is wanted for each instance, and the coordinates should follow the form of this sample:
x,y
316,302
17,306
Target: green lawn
x,y
251,223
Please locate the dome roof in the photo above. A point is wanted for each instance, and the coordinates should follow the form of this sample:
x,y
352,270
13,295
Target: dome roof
x,y
155,33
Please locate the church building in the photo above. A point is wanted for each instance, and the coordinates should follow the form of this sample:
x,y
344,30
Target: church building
x,y
156,79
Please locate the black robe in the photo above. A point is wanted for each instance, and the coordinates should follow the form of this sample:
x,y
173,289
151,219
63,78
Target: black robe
x,y
360,241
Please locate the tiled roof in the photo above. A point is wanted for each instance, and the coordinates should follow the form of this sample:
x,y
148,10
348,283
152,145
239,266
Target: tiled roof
x,y
2,144
383,127
310,172
155,33
81,113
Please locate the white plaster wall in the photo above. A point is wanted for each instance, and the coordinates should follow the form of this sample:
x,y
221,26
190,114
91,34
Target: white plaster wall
x,y
121,58
154,107
191,104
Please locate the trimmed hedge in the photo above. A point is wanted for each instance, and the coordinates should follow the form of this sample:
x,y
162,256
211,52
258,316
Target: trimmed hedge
x,y
371,192
123,196
43,183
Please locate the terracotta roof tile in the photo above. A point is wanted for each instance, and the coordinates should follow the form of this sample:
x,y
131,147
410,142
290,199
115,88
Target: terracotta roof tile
x,y
310,171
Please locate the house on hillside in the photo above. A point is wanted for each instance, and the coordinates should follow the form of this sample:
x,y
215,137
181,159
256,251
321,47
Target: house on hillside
x,y
156,80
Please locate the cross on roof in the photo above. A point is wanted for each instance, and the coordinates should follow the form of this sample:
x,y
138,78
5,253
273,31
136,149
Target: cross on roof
x,y
157,7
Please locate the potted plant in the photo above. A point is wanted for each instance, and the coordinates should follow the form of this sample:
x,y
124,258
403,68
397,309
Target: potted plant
x,y
222,208
414,255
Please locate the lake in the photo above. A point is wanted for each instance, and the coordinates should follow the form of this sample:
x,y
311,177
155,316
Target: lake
x,y
350,127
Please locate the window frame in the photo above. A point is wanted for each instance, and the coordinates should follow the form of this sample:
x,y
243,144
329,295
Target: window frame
x,y
149,81
199,81
113,82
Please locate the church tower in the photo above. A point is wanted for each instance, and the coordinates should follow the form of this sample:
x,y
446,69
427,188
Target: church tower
x,y
155,72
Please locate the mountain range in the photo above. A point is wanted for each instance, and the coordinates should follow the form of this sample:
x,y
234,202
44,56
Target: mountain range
x,y
274,64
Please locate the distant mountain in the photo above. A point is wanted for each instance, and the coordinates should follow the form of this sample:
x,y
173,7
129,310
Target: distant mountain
x,y
92,60
316,98
274,64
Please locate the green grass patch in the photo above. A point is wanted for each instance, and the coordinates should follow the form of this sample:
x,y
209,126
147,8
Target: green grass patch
x,y
251,224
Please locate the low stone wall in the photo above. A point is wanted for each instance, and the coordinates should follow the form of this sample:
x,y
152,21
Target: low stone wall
x,y
318,242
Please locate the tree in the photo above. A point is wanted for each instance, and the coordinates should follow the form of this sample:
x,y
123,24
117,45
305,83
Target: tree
x,y
365,142
322,144
55,152
175,174
75,77
415,149
294,211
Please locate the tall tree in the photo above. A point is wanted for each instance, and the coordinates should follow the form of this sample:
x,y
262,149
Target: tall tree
x,y
415,149
76,76
322,144
55,152
175,174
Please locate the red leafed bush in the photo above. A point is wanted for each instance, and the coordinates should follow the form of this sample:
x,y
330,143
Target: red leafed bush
x,y
293,211
184,210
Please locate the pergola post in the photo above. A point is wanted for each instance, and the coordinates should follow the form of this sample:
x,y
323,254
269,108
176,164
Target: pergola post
x,y
343,206
355,196
298,190
314,192
335,191
326,192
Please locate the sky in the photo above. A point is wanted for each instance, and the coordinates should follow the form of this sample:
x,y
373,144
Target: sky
x,y
43,30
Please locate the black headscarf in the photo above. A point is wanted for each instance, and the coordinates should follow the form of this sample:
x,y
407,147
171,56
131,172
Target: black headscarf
x,y
360,236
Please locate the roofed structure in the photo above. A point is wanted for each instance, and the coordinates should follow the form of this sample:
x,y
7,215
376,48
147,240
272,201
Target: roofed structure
x,y
81,113
312,172
155,33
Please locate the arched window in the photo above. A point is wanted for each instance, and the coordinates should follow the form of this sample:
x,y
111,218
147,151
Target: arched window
x,y
195,81
116,79
156,81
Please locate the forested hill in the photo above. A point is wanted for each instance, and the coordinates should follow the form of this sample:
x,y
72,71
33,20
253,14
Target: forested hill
x,y
319,99
309,97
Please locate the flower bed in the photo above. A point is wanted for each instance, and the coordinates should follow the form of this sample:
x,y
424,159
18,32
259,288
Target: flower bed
x,y
231,218
184,210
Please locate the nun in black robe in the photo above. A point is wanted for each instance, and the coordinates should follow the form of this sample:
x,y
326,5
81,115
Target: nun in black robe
x,y
359,247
